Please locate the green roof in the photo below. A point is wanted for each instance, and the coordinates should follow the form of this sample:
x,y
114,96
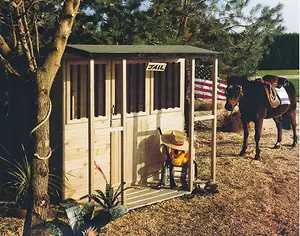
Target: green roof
x,y
136,51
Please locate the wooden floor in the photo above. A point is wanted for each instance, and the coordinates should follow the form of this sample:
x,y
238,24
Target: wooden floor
x,y
148,195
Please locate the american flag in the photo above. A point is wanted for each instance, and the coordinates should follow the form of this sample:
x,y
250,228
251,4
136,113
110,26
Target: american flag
x,y
203,84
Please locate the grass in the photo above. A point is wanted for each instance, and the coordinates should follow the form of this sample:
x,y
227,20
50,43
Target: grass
x,y
277,72
296,84
294,79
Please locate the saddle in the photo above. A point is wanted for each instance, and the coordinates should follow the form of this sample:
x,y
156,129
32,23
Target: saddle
x,y
270,83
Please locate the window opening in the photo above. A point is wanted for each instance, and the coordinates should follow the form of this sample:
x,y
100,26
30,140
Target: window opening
x,y
79,100
167,87
100,90
135,83
78,93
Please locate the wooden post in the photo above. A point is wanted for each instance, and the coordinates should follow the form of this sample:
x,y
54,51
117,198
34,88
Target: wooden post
x,y
67,91
214,121
191,126
65,103
114,150
91,127
123,135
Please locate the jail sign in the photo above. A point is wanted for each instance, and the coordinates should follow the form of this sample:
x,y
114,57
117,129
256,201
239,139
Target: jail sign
x,y
155,66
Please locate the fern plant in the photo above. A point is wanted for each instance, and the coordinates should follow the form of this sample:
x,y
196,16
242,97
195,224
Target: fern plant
x,y
80,220
109,198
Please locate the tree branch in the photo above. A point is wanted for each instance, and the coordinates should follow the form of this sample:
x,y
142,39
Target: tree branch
x,y
37,39
65,23
8,66
27,33
4,48
13,30
23,33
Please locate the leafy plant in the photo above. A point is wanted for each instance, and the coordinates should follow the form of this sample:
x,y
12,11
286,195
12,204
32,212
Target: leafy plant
x,y
109,198
80,220
18,171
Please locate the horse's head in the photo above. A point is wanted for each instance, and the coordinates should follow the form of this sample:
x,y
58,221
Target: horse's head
x,y
233,94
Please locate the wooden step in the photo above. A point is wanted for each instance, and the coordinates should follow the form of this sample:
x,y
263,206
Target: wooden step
x,y
145,196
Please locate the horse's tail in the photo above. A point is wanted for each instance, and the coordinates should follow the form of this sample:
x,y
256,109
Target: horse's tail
x,y
286,122
291,90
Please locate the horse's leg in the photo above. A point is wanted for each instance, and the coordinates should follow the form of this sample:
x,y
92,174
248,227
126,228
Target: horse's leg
x,y
246,134
278,122
294,125
258,129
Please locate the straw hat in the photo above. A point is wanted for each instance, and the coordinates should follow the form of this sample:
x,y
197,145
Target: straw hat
x,y
175,139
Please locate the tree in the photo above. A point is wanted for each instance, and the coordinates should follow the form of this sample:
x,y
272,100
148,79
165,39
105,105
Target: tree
x,y
107,22
217,25
249,36
284,53
20,55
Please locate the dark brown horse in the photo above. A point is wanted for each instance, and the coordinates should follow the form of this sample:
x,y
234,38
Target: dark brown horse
x,y
254,106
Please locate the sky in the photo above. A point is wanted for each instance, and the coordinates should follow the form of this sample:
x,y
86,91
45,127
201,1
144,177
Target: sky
x,y
290,12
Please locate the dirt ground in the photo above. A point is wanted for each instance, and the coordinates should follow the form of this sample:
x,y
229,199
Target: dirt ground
x,y
255,197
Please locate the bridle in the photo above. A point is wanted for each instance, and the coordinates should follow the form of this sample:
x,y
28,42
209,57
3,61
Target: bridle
x,y
238,95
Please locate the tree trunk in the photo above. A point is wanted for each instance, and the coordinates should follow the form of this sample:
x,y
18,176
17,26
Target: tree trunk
x,y
40,177
45,76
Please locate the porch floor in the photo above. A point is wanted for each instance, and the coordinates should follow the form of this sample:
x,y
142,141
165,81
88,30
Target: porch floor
x,y
148,195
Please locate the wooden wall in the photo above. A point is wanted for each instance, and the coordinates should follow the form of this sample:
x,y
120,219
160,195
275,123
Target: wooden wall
x,y
143,159
142,162
76,158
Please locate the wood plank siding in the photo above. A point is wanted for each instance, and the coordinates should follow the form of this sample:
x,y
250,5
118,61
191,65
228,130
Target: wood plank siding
x,y
108,109
142,136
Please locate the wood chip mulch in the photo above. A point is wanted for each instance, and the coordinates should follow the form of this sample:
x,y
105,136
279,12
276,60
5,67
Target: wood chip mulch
x,y
255,197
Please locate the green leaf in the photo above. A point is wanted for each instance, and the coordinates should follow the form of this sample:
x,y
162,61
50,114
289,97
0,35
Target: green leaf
x,y
87,211
102,196
73,211
117,211
56,227
227,7
98,200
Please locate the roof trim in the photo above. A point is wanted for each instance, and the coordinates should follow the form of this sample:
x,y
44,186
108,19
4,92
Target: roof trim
x,y
136,51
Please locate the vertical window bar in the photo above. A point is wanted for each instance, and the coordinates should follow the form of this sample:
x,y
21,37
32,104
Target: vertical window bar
x,y
165,73
159,90
83,91
78,91
133,89
143,79
96,90
155,92
173,85
118,88
137,100
87,91
169,71
71,92
177,91
129,87
104,89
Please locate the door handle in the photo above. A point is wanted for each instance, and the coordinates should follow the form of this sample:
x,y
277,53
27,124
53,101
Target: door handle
x,y
113,110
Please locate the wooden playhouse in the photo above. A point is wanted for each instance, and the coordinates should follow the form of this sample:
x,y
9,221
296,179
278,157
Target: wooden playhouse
x,y
108,103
